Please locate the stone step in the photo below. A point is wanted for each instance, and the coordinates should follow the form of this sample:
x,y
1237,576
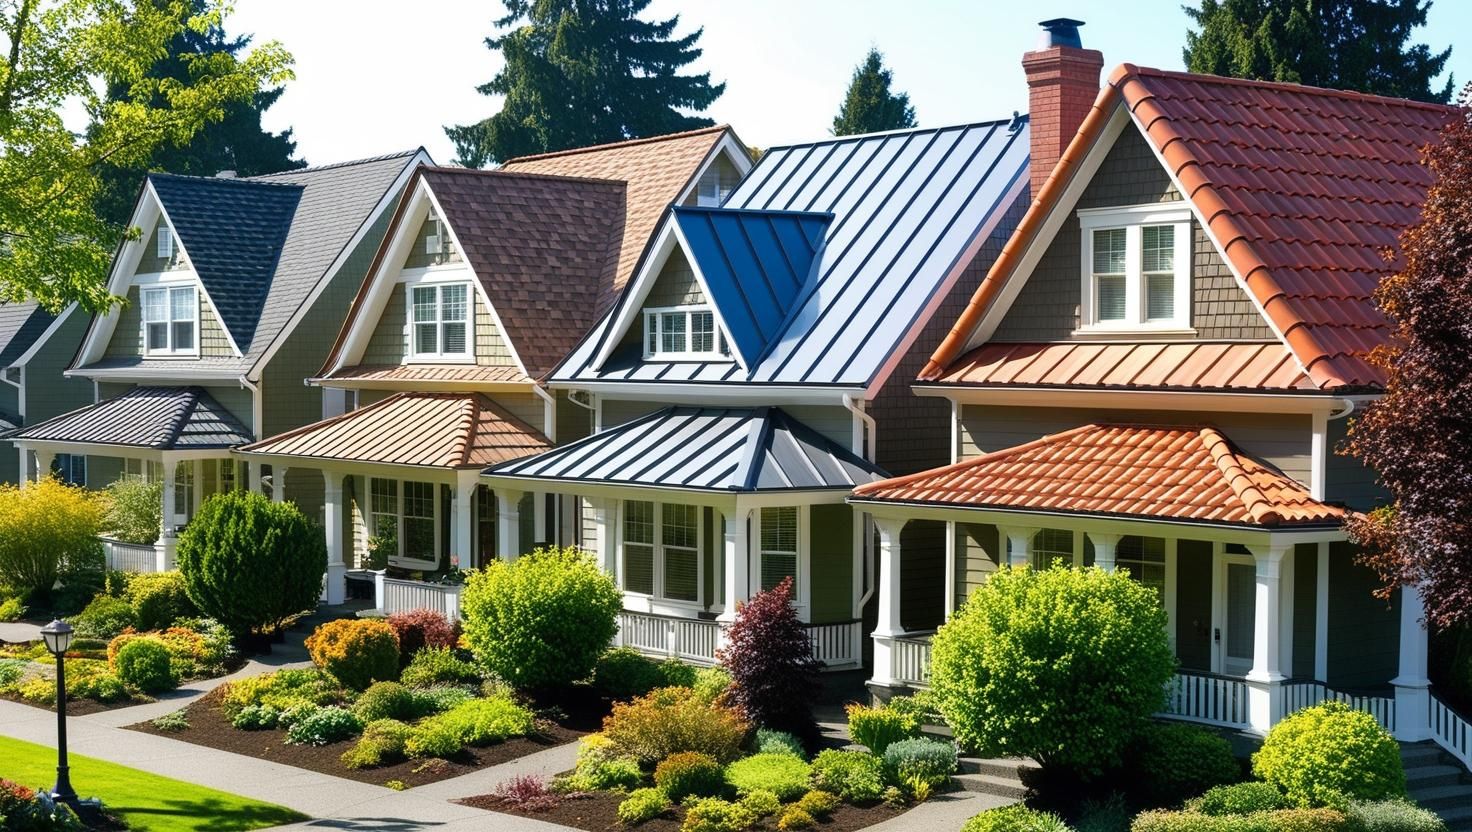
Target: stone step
x,y
992,784
1436,798
1457,815
1438,774
1420,753
998,766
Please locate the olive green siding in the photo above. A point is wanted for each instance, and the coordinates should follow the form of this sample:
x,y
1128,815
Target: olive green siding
x,y
674,286
1193,603
617,412
47,392
127,334
150,262
978,553
1364,631
419,255
1047,306
1346,479
389,343
834,423
9,456
1305,597
573,420
831,567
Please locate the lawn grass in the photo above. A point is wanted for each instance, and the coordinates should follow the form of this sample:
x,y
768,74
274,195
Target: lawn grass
x,y
141,800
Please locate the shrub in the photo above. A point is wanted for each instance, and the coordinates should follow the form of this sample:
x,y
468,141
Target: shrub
x,y
29,810
134,510
418,629
920,760
1239,799
282,690
795,817
252,564
104,617
774,677
687,773
1062,665
158,599
474,722
1173,762
711,814
711,683
323,726
45,528
187,649
671,720
144,664
761,803
91,680
382,742
781,774
853,775
387,700
819,804
642,805
875,728
437,666
677,674
11,609
1324,754
527,792
778,742
172,722
434,740
1112,813
1015,818
1391,816
623,673
11,671
919,707
256,718
542,620
1280,820
440,698
357,652
601,768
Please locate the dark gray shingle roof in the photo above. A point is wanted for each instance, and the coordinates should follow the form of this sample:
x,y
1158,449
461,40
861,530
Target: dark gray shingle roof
x,y
20,325
161,418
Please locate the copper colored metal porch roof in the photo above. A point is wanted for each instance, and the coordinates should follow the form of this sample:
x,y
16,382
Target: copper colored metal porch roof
x,y
1194,365
1187,474
429,372
432,430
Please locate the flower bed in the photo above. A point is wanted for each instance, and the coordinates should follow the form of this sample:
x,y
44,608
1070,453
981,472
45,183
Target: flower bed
x,y
598,812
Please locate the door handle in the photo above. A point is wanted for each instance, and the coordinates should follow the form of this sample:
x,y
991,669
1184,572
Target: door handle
x,y
1217,635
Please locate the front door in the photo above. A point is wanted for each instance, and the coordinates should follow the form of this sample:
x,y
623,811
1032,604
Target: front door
x,y
1239,615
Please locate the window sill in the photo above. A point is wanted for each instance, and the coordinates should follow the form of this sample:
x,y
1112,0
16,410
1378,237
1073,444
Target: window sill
x,y
183,356
688,358
1097,330
639,602
440,359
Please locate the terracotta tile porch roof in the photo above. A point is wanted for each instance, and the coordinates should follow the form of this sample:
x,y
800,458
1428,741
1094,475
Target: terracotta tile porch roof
x,y
1194,365
1304,188
429,372
431,430
1187,474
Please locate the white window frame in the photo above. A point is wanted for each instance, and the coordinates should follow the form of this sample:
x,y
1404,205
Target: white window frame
x,y
399,559
712,190
659,597
68,466
1132,220
163,243
169,321
227,468
654,315
802,600
411,326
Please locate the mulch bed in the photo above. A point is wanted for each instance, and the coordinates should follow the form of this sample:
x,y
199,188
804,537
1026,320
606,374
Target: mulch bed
x,y
79,707
597,812
208,727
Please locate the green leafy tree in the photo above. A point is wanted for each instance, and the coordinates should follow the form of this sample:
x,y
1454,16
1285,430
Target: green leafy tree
x,y
54,246
584,72
1343,44
869,106
235,142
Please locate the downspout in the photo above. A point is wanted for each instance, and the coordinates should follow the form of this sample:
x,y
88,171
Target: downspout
x,y
851,405
869,443
256,411
549,412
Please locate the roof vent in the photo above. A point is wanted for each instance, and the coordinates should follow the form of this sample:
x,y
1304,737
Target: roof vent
x,y
1060,31
225,174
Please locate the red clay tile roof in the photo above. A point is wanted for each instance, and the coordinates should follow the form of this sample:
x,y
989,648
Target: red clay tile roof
x,y
1303,187
428,372
433,430
1195,365
1190,474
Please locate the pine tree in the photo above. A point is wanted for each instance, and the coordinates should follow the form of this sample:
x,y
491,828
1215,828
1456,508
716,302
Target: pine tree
x,y
1343,44
869,106
235,142
584,72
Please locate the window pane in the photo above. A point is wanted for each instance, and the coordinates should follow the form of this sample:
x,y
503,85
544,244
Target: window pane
x,y
1160,297
154,302
672,332
681,581
776,567
1144,557
454,338
419,521
702,331
1158,247
1050,546
183,335
1109,251
419,499
651,334
1111,297
679,526
425,306
385,496
638,521
182,304
779,529
426,338
452,303
158,336
639,568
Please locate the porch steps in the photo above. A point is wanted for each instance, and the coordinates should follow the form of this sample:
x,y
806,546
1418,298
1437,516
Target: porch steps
x,y
1436,782
1000,777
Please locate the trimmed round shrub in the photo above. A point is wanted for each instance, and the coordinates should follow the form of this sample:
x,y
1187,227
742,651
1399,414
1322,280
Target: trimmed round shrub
x,y
438,666
774,677
422,628
761,803
784,775
642,805
1062,665
322,726
853,775
383,741
356,651
671,720
1239,799
158,599
1330,753
819,804
687,773
768,741
104,617
1392,816
474,722
711,814
601,768
623,673
711,683
1015,818
255,718
252,564
143,663
1173,762
542,620
676,674
387,700
795,817
920,760
878,726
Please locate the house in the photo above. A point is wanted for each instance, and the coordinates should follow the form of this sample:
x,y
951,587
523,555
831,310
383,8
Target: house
x,y
35,346
755,370
484,281
233,292
1156,372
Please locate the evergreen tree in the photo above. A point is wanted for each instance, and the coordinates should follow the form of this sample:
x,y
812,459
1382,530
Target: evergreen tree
x,y
235,142
1343,44
869,106
584,72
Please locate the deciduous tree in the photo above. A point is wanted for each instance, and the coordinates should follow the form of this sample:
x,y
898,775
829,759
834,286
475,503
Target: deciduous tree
x,y
869,106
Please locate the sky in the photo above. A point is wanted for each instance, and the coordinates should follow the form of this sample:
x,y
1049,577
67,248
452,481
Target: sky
x,y
374,76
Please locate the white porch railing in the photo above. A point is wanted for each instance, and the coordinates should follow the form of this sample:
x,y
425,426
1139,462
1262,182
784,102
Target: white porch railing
x,y
393,595
1207,698
1451,731
1305,693
837,645
911,657
129,557
668,636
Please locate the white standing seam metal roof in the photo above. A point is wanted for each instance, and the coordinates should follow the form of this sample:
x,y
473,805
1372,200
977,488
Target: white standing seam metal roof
x,y
703,449
906,206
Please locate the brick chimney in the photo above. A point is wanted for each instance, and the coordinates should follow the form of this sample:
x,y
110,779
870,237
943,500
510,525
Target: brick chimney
x,y
1062,82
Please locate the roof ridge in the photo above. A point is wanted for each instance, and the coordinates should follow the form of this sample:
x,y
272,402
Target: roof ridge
x,y
230,181
1225,458
903,131
335,165
990,456
593,148
1284,86
498,173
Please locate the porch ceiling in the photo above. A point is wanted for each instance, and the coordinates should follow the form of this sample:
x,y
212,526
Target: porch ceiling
x,y
156,418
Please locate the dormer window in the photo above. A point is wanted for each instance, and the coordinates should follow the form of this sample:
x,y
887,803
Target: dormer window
x,y
170,321
712,190
434,236
683,332
1136,269
164,243
439,320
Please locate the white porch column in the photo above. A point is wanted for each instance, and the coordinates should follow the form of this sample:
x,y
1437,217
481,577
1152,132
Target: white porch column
x,y
196,494
278,483
336,589
462,530
508,524
1019,544
44,461
1265,680
253,476
164,549
1104,546
888,625
25,464
539,519
1412,688
737,562
603,549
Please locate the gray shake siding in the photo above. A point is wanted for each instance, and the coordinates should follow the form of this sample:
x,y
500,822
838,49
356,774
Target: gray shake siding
x,y
127,336
389,343
1346,479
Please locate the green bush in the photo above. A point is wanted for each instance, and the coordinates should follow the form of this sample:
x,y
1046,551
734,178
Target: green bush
x,y
670,720
144,664
1062,665
434,740
282,690
1015,818
440,698
920,760
919,706
600,767
11,671
819,804
1323,755
383,741
853,775
677,674
11,609
46,528
475,722
134,511
782,774
542,620
1173,762
623,673
1279,820
104,617
876,727
711,814
795,817
438,666
1239,799
256,718
387,700
323,726
171,722
1391,816
768,741
642,805
356,652
158,599
761,803
711,683
252,564
687,773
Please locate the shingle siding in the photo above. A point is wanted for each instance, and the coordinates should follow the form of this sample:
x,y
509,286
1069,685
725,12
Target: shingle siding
x,y
127,334
1364,631
389,343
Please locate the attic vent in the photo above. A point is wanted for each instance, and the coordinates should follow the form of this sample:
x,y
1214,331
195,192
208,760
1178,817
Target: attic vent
x,y
433,235
165,244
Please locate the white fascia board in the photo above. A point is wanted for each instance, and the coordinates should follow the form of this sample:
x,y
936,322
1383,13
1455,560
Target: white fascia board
x,y
162,376
51,329
718,393
125,263
728,146
199,284
389,198
1187,400
634,295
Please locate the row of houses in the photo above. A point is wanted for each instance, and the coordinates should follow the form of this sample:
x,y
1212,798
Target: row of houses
x,y
1124,330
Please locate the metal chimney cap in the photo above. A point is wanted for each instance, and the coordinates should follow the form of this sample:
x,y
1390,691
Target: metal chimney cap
x,y
1060,31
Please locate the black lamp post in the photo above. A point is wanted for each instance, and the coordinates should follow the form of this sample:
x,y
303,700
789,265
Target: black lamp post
x,y
58,637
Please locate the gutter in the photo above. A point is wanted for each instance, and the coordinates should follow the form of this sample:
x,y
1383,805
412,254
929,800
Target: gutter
x,y
851,405
256,410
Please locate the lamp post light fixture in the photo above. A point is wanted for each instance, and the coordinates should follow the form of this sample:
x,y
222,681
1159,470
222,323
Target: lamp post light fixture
x,y
58,638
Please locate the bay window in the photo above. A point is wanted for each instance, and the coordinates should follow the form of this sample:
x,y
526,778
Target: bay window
x,y
661,550
439,320
170,320
688,332
1136,269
